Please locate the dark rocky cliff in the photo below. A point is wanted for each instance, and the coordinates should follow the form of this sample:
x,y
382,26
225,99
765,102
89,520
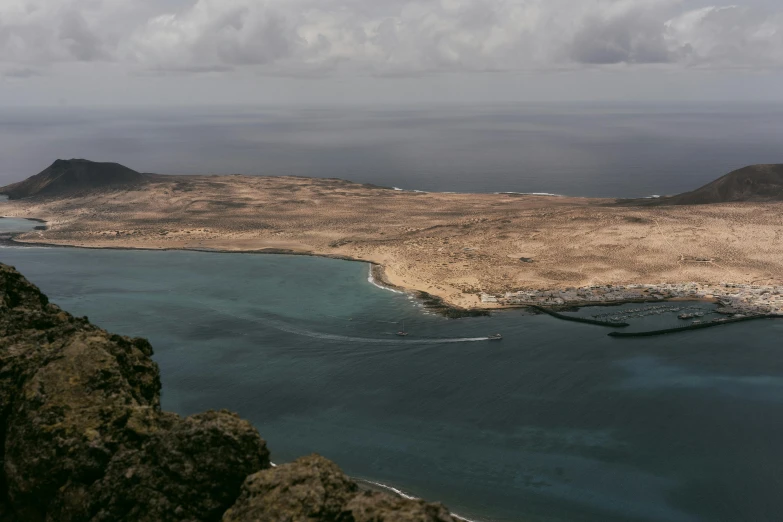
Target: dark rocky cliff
x,y
83,438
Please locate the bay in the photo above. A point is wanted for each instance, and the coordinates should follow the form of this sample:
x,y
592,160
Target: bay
x,y
558,422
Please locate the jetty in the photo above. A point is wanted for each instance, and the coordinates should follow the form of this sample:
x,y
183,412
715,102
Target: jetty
x,y
697,326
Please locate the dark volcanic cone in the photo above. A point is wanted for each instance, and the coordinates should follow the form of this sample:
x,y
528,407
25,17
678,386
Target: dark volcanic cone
x,y
65,177
753,183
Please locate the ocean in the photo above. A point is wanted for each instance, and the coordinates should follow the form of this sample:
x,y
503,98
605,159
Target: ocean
x,y
557,422
571,149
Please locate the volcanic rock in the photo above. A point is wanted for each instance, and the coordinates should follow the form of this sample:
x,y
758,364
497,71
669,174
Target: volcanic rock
x,y
74,176
83,438
753,183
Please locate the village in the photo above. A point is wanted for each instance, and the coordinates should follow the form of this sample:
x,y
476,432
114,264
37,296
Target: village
x,y
733,299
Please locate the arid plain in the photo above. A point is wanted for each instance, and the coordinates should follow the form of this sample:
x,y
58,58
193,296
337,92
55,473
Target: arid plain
x,y
454,246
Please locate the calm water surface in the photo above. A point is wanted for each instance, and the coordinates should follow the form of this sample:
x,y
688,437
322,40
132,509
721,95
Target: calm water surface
x,y
558,422
573,149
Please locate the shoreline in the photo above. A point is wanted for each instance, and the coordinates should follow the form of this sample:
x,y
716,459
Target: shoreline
x,y
447,300
377,277
372,485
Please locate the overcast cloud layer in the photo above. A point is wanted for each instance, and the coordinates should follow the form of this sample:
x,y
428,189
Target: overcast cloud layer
x,y
386,37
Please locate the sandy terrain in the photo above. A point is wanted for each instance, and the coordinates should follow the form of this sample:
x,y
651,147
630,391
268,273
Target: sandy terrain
x,y
451,245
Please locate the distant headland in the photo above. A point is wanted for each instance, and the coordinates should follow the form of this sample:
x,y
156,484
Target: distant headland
x,y
469,250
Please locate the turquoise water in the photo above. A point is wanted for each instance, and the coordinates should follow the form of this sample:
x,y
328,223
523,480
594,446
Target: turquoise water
x,y
16,225
558,422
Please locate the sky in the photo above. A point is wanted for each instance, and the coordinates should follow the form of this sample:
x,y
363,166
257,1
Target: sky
x,y
229,52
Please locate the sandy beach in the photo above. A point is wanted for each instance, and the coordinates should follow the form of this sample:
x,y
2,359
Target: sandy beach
x,y
459,247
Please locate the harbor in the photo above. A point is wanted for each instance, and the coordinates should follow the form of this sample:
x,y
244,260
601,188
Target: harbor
x,y
732,299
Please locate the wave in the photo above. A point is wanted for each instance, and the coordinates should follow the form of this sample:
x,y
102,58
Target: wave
x,y
398,189
372,281
532,194
409,497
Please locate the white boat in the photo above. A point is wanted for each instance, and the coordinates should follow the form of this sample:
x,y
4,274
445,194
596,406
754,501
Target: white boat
x,y
402,333
495,337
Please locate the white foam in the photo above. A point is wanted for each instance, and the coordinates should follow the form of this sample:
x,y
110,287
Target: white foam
x,y
372,281
532,194
398,189
409,497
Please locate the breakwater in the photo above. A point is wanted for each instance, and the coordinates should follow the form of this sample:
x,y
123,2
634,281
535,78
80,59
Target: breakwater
x,y
699,326
611,324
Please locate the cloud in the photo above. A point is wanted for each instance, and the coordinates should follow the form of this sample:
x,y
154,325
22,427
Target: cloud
x,y
632,33
729,37
35,32
390,37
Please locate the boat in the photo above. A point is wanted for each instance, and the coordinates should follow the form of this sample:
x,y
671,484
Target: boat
x,y
495,337
686,316
402,333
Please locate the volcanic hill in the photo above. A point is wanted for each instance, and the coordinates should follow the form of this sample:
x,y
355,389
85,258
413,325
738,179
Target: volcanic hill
x,y
756,183
69,177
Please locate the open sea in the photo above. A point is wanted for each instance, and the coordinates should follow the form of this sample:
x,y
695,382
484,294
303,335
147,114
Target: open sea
x,y
571,149
557,422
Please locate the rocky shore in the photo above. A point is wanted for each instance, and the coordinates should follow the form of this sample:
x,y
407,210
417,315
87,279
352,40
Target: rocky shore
x,y
734,299
83,438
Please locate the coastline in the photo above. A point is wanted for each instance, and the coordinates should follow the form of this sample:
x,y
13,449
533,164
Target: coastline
x,y
460,254
377,277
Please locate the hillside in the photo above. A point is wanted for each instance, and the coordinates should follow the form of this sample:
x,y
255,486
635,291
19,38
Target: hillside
x,y
67,177
757,183
83,438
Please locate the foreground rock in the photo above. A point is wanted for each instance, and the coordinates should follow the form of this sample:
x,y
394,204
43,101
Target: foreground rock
x,y
83,438
313,488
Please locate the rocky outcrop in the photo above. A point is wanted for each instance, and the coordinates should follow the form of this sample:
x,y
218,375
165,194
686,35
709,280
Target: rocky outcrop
x,y
83,438
313,488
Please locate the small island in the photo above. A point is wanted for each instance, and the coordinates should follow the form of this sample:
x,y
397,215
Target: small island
x,y
722,242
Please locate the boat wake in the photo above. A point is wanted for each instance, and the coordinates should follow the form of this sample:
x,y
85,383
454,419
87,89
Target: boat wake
x,y
283,326
292,329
